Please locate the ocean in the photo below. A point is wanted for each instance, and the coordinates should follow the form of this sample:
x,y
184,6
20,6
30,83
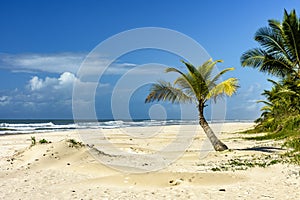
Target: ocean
x,y
24,126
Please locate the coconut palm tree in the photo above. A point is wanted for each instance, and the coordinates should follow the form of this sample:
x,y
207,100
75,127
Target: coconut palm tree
x,y
282,102
196,86
279,54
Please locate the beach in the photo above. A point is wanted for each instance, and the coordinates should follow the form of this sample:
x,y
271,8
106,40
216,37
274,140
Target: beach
x,y
71,166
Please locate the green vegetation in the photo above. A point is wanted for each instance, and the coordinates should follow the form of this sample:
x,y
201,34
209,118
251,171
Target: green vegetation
x,y
244,164
70,142
196,86
279,56
294,154
44,141
33,141
74,143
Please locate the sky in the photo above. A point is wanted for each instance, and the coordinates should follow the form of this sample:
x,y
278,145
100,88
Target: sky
x,y
44,43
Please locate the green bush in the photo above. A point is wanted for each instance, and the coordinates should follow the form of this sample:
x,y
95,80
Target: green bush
x,y
33,141
74,143
44,141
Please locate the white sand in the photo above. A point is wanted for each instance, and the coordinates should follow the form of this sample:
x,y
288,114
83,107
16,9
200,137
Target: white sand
x,y
57,171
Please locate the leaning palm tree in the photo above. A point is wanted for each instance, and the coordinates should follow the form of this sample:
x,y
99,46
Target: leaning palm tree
x,y
279,54
196,86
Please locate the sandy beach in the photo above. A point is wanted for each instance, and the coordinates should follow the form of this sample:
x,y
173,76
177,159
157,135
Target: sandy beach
x,y
65,170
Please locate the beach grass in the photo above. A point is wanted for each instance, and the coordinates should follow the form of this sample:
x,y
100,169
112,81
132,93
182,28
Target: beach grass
x,y
289,134
74,143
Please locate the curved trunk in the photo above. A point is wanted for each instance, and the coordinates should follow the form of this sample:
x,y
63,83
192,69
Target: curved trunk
x,y
217,144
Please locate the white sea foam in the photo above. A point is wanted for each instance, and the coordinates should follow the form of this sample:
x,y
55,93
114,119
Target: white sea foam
x,y
33,126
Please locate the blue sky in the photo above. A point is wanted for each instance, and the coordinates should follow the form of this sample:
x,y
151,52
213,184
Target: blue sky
x,y
42,44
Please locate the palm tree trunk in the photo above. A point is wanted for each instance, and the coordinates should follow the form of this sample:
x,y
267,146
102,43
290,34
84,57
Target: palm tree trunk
x,y
217,144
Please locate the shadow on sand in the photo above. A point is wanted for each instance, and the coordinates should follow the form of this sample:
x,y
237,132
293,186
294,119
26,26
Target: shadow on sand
x,y
262,149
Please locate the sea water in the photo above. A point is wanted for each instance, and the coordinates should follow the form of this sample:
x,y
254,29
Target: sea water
x,y
23,126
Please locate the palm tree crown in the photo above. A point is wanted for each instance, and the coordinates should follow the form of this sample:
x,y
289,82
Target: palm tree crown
x,y
279,54
196,86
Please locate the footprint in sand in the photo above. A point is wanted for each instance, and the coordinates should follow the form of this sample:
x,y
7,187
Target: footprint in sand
x,y
176,182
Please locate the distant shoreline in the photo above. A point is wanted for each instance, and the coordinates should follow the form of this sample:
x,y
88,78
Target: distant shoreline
x,y
23,126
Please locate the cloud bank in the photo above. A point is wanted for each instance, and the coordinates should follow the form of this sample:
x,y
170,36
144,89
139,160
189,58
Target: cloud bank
x,y
65,81
60,62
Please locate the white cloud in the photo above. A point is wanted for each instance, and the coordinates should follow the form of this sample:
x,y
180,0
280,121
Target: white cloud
x,y
59,89
4,100
36,83
253,100
66,80
87,69
128,65
54,63
45,93
62,62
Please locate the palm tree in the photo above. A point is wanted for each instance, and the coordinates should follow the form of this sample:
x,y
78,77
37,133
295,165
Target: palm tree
x,y
279,54
282,102
197,86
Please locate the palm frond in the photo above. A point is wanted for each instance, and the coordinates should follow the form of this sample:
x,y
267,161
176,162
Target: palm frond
x,y
275,25
207,68
265,102
271,40
185,84
199,83
290,27
227,87
164,91
267,108
272,81
271,64
253,58
277,66
217,77
186,80
287,92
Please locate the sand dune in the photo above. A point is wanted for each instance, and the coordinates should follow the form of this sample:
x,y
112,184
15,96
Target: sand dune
x,y
62,170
